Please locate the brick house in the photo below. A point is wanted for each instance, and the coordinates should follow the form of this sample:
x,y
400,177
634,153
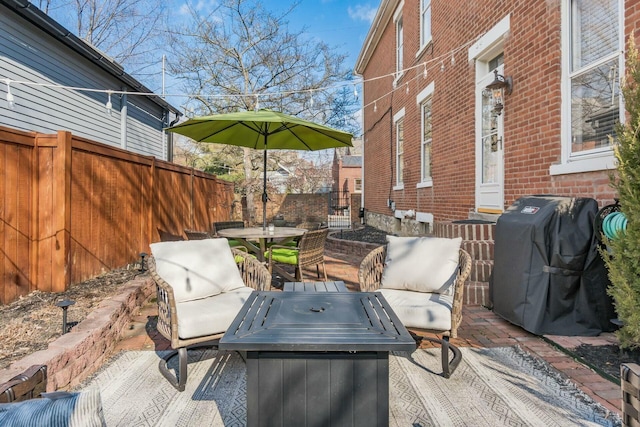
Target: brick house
x,y
442,144
346,169
346,181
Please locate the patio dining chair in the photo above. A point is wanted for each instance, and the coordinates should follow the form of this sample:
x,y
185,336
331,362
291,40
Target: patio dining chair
x,y
309,226
196,234
201,286
221,225
166,236
422,278
310,251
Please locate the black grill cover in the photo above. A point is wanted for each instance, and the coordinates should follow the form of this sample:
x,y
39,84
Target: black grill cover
x,y
548,276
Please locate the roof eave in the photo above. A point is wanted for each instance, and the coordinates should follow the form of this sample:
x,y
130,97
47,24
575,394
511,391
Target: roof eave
x,y
41,20
383,15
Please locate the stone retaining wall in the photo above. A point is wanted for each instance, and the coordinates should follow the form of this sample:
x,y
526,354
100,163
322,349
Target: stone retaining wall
x,y
348,247
78,354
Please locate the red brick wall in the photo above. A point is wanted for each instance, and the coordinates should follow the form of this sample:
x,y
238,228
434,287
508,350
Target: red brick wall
x,y
532,56
346,178
299,208
294,208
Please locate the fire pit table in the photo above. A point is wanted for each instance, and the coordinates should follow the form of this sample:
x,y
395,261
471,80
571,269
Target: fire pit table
x,y
317,358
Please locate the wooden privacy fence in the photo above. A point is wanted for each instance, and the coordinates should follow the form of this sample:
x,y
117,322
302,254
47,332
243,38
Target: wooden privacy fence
x,y
71,208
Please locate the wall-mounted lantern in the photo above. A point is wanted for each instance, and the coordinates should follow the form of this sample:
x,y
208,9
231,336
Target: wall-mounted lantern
x,y
499,87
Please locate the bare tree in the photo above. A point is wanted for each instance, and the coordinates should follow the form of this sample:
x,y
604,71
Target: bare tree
x,y
309,177
126,30
240,56
43,5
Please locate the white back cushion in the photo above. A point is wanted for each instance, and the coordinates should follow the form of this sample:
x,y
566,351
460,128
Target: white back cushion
x,y
421,264
197,268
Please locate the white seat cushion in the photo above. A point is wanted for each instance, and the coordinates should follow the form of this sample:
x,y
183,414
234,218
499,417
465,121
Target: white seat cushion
x,y
421,264
212,315
197,269
419,309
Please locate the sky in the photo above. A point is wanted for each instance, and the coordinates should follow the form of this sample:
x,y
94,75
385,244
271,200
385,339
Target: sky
x,y
339,23
342,24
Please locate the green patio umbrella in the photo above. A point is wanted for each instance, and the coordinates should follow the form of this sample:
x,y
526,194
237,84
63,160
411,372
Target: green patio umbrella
x,y
263,130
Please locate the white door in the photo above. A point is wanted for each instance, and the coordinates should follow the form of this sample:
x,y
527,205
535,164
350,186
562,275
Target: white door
x,y
489,150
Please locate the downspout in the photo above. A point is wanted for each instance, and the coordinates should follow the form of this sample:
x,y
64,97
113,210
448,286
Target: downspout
x,y
170,137
123,120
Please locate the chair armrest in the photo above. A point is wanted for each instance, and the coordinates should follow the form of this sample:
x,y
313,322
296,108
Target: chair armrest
x,y
464,270
167,312
370,271
254,274
27,385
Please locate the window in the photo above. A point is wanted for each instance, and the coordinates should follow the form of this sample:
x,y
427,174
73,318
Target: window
x,y
425,22
594,65
424,103
399,46
398,122
399,150
357,185
425,143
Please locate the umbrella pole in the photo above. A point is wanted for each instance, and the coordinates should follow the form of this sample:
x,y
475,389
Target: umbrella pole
x,y
264,188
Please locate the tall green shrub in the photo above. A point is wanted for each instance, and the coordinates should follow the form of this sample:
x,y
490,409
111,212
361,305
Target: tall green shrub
x,y
623,261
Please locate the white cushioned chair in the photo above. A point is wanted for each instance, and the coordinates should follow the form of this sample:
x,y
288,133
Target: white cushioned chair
x,y
422,278
201,284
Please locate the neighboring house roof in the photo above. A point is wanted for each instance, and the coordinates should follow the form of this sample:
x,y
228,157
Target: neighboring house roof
x,y
41,20
341,152
352,161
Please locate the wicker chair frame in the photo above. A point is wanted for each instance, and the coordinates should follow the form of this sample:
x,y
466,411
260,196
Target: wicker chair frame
x,y
254,274
370,278
30,384
310,252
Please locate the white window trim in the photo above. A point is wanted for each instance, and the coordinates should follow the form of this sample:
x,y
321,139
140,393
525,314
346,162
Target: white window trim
x,y
585,161
491,37
399,72
420,98
355,190
396,117
424,43
481,52
425,217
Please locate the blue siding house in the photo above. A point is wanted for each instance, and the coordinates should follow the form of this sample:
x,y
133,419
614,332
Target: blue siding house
x,y
46,68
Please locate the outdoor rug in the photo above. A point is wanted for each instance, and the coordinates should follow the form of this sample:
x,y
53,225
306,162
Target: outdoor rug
x,y
491,387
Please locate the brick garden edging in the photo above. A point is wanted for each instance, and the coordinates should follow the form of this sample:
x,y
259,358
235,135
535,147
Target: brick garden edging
x,y
75,356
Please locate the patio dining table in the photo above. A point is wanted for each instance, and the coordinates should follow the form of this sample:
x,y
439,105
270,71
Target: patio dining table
x,y
248,237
